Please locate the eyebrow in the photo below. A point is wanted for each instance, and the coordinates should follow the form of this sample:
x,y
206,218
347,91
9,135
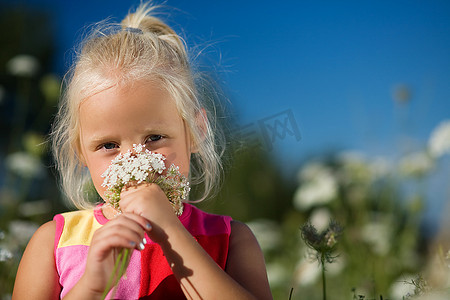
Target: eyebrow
x,y
94,140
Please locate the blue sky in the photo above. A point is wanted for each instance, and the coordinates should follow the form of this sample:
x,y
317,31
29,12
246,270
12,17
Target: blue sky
x,y
332,65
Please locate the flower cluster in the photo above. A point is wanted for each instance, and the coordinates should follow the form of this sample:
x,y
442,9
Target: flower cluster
x,y
141,165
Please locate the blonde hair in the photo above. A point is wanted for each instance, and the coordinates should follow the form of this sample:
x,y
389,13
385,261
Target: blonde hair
x,y
142,47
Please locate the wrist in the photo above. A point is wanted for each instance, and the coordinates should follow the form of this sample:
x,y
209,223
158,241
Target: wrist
x,y
82,290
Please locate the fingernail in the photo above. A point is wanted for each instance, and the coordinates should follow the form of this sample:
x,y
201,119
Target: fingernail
x,y
148,226
144,241
141,246
133,244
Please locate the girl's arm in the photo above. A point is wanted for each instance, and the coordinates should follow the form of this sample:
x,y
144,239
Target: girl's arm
x,y
199,275
245,262
37,277
201,278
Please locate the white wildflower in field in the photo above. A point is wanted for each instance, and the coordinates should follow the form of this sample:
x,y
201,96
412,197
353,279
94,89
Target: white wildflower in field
x,y
402,287
267,232
5,254
33,208
355,168
352,157
378,235
434,295
311,170
307,272
318,186
277,274
416,164
337,266
439,142
320,219
23,65
25,165
22,231
379,167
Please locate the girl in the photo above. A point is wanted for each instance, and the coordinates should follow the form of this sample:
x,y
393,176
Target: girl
x,y
132,86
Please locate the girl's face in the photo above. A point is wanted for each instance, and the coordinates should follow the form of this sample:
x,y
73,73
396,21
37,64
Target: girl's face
x,y
115,119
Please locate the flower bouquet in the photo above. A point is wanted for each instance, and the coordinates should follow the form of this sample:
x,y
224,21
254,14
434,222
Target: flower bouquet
x,y
133,168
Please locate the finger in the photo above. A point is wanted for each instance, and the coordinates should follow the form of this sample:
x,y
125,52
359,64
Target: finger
x,y
120,231
143,222
103,247
122,226
134,222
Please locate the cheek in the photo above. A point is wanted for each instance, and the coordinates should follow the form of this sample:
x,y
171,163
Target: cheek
x,y
178,158
182,163
96,171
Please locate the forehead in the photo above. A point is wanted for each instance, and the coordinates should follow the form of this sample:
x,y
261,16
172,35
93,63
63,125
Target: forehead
x,y
134,104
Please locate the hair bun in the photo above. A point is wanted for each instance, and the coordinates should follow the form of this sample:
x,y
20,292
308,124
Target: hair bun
x,y
143,19
155,26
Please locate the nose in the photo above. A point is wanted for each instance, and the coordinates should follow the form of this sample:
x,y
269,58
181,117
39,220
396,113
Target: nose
x,y
132,147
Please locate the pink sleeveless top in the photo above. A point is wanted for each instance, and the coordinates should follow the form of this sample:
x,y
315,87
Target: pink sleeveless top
x,y
148,275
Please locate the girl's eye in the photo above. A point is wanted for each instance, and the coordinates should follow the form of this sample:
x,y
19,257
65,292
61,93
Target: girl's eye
x,y
154,138
109,146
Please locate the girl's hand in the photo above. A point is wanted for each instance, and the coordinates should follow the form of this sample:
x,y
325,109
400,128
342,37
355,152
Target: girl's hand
x,y
124,231
149,201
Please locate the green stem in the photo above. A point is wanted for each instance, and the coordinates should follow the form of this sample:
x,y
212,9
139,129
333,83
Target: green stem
x,y
324,288
120,267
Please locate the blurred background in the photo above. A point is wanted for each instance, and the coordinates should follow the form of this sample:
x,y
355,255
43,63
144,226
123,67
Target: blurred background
x,y
338,110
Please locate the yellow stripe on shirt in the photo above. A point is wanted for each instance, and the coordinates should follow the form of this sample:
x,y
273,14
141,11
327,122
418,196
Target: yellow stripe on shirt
x,y
79,227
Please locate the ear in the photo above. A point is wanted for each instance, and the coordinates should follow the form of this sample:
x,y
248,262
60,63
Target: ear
x,y
201,121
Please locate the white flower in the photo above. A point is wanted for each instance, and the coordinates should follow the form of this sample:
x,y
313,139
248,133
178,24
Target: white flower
x,y
352,157
32,208
267,233
138,148
416,164
434,295
337,266
378,235
379,167
307,272
22,231
402,287
311,170
5,254
318,187
355,168
439,142
25,165
23,65
142,165
320,219
276,274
